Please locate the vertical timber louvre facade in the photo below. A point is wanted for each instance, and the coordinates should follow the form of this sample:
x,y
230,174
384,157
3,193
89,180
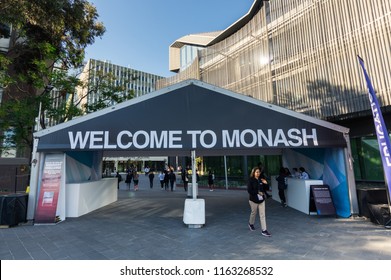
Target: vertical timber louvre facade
x,y
302,55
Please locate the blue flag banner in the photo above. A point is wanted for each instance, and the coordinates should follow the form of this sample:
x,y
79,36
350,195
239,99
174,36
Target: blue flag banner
x,y
381,129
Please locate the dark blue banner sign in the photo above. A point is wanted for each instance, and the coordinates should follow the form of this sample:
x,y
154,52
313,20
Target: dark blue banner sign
x,y
381,129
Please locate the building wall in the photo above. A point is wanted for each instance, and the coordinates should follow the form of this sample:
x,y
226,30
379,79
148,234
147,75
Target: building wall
x,y
302,55
140,82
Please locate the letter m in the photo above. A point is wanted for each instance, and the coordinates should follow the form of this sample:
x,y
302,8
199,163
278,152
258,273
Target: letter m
x,y
231,142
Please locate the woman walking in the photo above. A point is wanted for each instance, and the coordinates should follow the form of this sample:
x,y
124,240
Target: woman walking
x,y
255,189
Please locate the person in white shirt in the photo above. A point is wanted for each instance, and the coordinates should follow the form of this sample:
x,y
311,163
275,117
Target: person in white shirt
x,y
303,174
296,173
161,179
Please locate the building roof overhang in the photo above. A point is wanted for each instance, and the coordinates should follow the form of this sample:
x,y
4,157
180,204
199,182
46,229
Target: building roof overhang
x,y
211,38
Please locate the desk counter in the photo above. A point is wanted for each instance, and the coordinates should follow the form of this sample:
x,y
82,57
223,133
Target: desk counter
x,y
82,198
297,194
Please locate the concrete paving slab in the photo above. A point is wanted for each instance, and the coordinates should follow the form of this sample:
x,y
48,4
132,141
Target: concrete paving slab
x,y
148,224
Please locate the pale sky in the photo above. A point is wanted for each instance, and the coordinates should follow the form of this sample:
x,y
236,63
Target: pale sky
x,y
139,32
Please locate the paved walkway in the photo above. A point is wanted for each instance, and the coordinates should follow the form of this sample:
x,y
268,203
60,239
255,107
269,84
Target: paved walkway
x,y
148,224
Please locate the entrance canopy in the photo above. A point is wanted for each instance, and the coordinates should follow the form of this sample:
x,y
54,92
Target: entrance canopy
x,y
191,115
198,119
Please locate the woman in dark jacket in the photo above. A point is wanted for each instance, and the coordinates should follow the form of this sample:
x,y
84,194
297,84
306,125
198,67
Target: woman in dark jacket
x,y
257,200
282,185
166,179
172,178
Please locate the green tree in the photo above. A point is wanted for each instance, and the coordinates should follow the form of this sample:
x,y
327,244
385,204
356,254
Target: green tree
x,y
47,33
71,93
17,125
47,40
109,92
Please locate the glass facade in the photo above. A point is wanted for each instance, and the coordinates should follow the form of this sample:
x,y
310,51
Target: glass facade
x,y
188,54
367,163
239,166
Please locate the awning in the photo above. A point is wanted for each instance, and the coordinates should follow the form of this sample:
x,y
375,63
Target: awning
x,y
191,115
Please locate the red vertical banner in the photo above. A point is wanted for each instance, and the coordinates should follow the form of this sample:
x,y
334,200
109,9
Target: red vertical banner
x,y
49,190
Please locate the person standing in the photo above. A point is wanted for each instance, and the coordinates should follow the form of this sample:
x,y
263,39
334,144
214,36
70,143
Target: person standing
x,y
211,179
172,178
303,174
135,179
128,179
185,178
282,185
146,170
296,173
161,179
151,176
119,177
255,189
166,179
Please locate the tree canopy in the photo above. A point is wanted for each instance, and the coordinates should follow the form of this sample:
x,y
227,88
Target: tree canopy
x,y
47,39
46,33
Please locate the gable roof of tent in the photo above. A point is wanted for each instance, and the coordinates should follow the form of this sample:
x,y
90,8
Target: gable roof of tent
x,y
191,115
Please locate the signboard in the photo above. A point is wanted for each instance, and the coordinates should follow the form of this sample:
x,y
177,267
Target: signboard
x,y
323,200
217,130
49,191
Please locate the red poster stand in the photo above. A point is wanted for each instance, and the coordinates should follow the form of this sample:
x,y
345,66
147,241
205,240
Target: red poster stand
x,y
49,191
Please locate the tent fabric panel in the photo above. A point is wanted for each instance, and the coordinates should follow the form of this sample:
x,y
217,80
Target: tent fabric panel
x,y
327,165
186,113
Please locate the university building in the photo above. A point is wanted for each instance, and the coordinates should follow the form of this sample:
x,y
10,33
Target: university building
x,y
302,55
140,83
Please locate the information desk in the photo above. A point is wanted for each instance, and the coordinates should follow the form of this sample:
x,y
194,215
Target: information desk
x,y
297,194
83,198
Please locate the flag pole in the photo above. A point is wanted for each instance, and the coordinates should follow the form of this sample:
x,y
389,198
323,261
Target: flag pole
x,y
382,135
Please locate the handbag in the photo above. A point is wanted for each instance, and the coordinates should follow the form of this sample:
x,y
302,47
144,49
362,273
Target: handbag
x,y
261,197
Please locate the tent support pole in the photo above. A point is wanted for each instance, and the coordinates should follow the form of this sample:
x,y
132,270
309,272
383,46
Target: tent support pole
x,y
226,173
34,175
194,212
194,174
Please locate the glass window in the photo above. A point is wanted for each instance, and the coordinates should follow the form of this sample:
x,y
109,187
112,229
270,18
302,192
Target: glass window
x,y
367,159
188,54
